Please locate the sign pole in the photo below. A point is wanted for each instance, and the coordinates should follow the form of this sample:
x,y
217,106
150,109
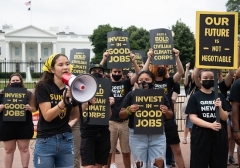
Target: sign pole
x,y
216,95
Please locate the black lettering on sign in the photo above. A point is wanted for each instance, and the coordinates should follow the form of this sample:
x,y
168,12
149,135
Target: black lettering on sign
x,y
161,42
14,101
119,50
217,40
80,58
149,118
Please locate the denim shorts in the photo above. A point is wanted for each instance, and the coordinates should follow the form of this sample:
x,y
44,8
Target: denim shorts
x,y
55,151
189,123
147,148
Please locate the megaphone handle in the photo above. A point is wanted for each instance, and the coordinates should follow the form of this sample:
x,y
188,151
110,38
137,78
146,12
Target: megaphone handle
x,y
65,98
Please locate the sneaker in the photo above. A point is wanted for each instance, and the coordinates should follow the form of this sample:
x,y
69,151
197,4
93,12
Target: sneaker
x,y
184,141
231,160
117,151
113,165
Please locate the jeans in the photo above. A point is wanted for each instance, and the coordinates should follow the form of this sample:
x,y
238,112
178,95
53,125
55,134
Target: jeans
x,y
54,152
146,148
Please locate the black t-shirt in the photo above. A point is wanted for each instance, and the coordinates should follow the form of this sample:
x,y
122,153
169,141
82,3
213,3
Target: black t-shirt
x,y
129,100
119,90
202,105
235,92
176,88
50,92
28,113
167,84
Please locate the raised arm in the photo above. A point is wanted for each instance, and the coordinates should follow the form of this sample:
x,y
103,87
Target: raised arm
x,y
177,76
186,74
136,67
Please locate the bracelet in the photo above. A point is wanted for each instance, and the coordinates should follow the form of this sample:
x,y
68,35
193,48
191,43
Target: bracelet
x,y
127,111
236,130
59,107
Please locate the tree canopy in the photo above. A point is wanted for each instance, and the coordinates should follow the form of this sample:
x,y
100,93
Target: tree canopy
x,y
234,6
184,41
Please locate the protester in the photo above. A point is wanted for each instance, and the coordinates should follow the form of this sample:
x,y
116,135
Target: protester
x,y
16,133
54,143
163,81
95,143
119,127
209,145
149,148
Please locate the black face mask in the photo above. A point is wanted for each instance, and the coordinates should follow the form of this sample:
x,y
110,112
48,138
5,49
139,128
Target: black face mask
x,y
16,84
161,72
116,77
145,85
207,84
97,75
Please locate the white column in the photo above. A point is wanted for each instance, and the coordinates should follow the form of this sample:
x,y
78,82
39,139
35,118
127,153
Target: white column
x,y
7,55
39,55
24,66
54,48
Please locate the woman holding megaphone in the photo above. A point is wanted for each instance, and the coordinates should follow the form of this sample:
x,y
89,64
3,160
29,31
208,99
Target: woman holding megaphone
x,y
54,144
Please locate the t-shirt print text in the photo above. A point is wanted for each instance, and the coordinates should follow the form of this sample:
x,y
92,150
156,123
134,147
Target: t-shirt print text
x,y
208,106
118,91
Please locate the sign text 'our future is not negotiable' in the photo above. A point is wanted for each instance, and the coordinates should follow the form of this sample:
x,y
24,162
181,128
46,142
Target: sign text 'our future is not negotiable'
x,y
216,40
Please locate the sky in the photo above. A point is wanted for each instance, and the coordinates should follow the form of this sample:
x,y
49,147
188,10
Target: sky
x,y
83,16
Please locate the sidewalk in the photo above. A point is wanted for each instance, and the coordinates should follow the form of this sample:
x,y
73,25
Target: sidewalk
x,y
185,151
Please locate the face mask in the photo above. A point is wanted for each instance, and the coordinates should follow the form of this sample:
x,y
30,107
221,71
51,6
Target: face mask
x,y
161,72
116,77
97,75
16,84
207,84
145,85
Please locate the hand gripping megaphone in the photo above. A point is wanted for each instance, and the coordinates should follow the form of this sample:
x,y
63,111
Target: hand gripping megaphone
x,y
83,87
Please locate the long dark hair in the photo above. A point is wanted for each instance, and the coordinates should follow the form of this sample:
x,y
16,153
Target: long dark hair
x,y
47,77
20,77
149,73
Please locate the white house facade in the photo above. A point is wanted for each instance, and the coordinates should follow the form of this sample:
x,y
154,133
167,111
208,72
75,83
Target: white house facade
x,y
32,44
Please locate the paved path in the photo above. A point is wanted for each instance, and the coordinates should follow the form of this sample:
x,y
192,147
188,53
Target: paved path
x,y
17,161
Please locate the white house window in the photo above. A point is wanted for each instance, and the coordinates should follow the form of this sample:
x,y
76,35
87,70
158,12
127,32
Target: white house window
x,y
17,51
45,52
0,51
62,50
31,50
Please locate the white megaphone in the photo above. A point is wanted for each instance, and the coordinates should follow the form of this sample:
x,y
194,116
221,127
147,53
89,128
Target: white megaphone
x,y
83,87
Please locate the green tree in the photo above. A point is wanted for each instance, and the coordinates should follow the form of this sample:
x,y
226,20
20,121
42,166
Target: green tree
x,y
138,38
99,41
234,6
184,41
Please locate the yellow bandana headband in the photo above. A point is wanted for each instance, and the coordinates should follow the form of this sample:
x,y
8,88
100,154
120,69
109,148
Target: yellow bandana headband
x,y
47,65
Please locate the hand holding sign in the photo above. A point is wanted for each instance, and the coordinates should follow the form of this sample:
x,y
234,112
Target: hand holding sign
x,y
133,108
216,126
177,52
105,55
164,109
150,53
132,56
1,107
111,100
218,103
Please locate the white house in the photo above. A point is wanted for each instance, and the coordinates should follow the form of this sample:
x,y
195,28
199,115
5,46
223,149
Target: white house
x,y
32,44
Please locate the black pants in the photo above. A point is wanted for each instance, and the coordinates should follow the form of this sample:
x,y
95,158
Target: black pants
x,y
209,148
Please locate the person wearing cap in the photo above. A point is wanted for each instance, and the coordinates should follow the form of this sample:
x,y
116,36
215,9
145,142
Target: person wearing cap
x,y
54,143
118,126
95,139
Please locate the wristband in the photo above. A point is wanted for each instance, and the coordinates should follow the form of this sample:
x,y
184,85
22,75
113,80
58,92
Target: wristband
x,y
59,107
236,130
127,111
